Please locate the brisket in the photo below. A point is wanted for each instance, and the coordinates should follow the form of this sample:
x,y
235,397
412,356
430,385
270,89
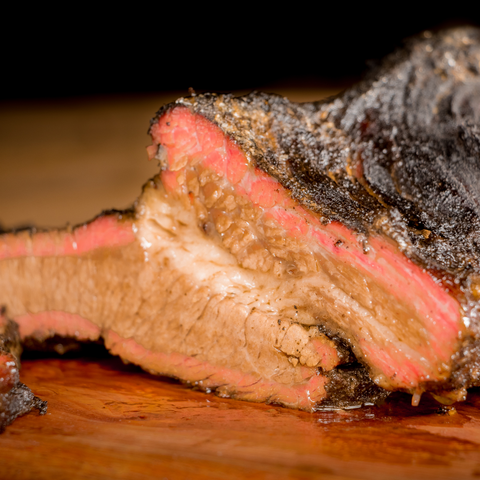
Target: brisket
x,y
316,255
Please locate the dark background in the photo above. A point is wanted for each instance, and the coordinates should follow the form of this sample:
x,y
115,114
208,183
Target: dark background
x,y
73,53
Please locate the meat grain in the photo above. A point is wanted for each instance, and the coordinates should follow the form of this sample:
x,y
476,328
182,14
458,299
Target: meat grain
x,y
315,255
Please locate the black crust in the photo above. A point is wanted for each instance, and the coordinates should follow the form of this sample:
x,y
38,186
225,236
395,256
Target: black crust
x,y
350,386
19,400
9,337
411,127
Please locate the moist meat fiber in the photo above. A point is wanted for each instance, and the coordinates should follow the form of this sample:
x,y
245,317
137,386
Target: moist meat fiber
x,y
317,255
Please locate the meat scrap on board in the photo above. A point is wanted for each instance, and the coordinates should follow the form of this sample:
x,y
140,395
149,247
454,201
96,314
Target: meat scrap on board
x,y
317,255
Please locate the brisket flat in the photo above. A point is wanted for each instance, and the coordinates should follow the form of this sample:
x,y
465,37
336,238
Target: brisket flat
x,y
316,255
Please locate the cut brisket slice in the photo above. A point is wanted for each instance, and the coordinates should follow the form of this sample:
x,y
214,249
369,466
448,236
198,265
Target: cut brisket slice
x,y
314,255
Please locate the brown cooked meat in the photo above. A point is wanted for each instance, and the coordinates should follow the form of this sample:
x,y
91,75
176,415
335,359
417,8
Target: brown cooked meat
x,y
316,255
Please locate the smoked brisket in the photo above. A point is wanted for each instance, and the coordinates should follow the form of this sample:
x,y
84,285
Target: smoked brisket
x,y
315,255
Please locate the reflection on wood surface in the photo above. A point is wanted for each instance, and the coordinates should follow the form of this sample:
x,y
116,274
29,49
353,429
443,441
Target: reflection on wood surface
x,y
107,420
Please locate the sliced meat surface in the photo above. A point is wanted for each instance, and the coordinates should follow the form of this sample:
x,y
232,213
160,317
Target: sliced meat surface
x,y
224,328
314,255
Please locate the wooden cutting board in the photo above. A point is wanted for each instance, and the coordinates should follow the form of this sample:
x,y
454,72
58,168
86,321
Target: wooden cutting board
x,y
110,421
65,162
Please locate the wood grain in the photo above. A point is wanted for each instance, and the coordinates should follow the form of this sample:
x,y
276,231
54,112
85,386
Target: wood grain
x,y
107,420
66,161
